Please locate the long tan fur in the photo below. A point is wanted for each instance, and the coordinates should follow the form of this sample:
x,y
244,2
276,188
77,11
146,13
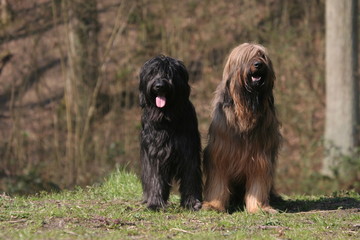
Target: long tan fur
x,y
244,135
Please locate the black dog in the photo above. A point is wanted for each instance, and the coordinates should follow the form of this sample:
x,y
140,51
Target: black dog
x,y
170,140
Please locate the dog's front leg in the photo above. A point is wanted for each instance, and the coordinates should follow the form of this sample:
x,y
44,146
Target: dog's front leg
x,y
155,182
158,186
191,186
216,194
257,194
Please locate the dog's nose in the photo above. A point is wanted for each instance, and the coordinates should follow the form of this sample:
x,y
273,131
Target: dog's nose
x,y
158,86
258,64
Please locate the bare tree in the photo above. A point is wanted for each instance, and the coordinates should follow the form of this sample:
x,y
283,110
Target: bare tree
x,y
82,77
342,90
6,12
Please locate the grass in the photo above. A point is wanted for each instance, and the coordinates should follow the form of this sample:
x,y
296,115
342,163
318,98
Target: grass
x,y
113,211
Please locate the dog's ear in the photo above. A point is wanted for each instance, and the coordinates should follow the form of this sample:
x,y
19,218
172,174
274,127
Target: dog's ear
x,y
183,79
227,99
271,102
142,100
183,71
185,76
144,72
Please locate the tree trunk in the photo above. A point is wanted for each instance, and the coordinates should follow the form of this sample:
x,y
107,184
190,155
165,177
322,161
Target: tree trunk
x,y
6,12
82,76
342,93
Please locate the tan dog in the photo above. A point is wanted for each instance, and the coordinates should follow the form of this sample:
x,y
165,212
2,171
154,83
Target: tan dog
x,y
244,135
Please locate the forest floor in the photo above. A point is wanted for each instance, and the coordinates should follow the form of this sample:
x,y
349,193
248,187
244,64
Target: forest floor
x,y
113,210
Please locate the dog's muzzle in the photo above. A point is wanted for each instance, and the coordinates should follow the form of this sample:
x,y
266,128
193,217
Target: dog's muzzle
x,y
256,76
160,89
257,73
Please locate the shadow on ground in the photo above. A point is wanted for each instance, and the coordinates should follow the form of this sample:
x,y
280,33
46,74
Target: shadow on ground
x,y
322,204
341,201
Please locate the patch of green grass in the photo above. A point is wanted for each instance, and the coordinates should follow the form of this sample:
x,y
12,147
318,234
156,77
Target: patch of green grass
x,y
113,211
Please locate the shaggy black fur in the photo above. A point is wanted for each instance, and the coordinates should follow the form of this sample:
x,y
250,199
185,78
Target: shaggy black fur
x,y
170,140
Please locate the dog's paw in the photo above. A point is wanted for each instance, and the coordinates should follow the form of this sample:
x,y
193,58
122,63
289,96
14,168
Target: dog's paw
x,y
197,206
156,205
192,204
213,205
264,209
269,210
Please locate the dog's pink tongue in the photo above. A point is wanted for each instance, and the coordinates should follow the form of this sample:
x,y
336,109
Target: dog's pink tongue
x,y
254,79
160,101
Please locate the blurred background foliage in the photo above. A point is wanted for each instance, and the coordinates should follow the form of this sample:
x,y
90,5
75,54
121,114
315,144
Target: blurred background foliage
x,y
39,128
